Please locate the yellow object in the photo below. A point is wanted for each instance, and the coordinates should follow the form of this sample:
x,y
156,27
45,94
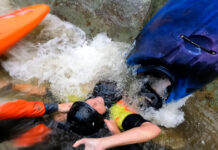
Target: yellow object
x,y
74,98
119,112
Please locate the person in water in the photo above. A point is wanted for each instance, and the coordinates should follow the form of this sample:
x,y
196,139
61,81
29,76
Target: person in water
x,y
86,118
127,126
83,118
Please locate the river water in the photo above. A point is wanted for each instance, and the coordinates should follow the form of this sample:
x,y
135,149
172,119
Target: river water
x,y
62,58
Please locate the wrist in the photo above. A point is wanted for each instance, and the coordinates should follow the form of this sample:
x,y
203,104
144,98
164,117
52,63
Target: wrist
x,y
64,107
106,143
102,144
59,108
51,108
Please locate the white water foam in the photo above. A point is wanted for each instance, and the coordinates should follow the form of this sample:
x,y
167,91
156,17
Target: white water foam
x,y
65,58
169,115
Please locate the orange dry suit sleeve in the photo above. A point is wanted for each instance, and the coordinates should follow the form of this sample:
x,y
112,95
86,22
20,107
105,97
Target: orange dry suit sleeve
x,y
32,136
25,109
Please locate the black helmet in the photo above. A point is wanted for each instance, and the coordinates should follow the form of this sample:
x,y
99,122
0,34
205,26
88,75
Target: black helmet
x,y
109,91
83,119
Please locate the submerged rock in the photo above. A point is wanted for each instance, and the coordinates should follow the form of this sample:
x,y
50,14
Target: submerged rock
x,y
23,3
121,20
154,7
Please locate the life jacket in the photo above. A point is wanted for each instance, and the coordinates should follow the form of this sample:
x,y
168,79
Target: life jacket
x,y
181,41
119,112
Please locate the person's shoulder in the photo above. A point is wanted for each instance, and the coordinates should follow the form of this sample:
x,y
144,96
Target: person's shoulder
x,y
132,121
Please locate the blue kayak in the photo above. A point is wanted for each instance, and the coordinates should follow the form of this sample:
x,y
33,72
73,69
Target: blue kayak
x,y
181,41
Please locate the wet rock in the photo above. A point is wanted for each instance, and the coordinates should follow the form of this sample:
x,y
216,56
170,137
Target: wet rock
x,y
4,84
4,79
201,126
122,20
170,138
154,7
23,3
154,146
7,146
30,89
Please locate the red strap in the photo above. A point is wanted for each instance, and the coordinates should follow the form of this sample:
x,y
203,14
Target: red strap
x,y
122,103
20,109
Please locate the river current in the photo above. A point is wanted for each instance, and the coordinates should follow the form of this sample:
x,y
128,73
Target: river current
x,y
61,57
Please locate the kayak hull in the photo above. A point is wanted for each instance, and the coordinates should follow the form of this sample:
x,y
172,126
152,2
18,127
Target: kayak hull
x,y
14,26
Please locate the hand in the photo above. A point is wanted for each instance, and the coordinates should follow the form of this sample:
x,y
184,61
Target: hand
x,y
112,126
60,117
90,144
65,107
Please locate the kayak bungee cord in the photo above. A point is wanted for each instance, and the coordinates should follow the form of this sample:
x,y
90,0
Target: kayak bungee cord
x,y
185,38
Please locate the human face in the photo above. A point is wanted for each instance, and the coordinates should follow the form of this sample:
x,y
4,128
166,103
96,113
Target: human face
x,y
98,104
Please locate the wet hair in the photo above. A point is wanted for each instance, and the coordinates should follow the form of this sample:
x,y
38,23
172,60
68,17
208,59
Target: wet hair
x,y
109,91
83,119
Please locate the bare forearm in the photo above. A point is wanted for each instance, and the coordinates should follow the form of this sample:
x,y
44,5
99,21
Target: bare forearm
x,y
145,132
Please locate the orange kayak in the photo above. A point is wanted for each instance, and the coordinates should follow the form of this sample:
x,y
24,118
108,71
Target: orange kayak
x,y
16,25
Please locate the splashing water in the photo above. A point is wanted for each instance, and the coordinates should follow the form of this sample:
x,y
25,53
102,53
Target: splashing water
x,y
65,58
169,116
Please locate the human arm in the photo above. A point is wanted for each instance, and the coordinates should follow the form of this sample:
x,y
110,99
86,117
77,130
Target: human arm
x,y
137,129
22,108
145,132
112,126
